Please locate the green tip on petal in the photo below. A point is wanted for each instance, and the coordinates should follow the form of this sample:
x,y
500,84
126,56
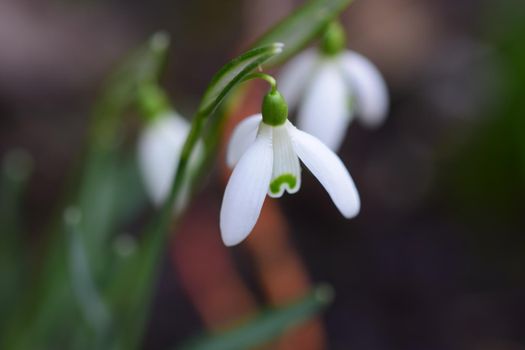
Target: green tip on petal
x,y
274,109
278,182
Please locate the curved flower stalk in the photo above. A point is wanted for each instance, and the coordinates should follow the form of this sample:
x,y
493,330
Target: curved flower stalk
x,y
159,150
265,150
331,85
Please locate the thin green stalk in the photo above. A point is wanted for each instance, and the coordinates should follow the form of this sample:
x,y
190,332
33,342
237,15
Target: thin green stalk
x,y
266,77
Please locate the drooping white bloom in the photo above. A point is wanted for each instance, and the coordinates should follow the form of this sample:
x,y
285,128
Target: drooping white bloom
x,y
159,150
266,160
330,90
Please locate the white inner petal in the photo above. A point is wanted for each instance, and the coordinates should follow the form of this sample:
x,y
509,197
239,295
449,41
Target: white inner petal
x,y
367,86
286,173
325,111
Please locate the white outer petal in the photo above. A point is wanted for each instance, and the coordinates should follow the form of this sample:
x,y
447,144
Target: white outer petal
x,y
325,110
159,150
242,137
368,86
295,76
329,170
246,189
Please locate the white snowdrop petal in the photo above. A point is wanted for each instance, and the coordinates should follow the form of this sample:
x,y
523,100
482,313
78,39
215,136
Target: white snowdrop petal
x,y
295,76
325,110
159,150
329,170
246,189
368,87
286,173
242,137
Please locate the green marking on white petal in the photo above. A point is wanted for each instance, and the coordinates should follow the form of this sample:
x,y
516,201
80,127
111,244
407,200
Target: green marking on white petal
x,y
282,182
286,173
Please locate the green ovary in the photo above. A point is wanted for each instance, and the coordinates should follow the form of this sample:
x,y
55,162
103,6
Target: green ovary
x,y
278,182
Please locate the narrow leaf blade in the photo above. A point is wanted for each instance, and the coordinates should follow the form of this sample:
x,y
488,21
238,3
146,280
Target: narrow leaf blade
x,y
233,72
268,325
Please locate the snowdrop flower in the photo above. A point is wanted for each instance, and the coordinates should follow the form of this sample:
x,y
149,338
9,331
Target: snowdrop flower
x,y
331,85
159,150
265,150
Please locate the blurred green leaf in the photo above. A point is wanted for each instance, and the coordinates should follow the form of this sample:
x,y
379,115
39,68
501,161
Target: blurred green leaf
x,y
84,288
14,175
107,189
266,326
302,26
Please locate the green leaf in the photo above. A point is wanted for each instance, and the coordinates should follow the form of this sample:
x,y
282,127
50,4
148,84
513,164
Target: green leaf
x,y
102,194
266,326
14,175
302,26
84,288
110,187
233,73
15,171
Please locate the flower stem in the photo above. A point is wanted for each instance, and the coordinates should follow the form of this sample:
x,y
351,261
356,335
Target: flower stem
x,y
266,77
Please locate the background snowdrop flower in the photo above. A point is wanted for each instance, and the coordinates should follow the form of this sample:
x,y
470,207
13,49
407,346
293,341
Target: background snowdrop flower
x,y
265,150
159,150
331,85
